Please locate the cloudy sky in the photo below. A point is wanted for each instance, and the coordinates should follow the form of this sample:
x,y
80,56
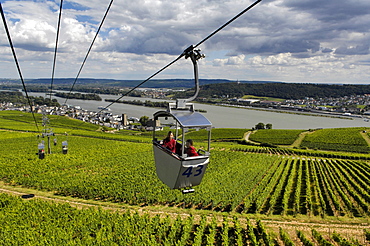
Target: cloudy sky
x,y
278,40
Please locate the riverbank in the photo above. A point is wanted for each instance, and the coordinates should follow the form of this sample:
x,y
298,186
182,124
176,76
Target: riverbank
x,y
288,111
227,117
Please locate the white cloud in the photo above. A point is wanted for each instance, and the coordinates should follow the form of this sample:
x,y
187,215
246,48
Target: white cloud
x,y
234,60
295,41
322,68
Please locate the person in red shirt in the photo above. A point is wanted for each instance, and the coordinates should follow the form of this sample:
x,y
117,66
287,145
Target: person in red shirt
x,y
190,150
169,142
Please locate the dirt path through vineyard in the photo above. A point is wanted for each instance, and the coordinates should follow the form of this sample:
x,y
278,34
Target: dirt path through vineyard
x,y
352,228
365,136
298,141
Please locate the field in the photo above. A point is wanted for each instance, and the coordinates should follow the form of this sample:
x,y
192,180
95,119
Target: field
x,y
245,192
344,139
37,222
275,137
354,139
224,134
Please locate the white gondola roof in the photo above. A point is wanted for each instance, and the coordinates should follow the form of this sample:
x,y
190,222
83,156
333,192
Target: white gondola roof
x,y
186,118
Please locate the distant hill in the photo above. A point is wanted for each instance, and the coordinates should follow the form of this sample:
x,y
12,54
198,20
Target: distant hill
x,y
155,83
219,87
282,90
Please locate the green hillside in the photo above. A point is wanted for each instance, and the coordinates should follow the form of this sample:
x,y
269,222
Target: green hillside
x,y
118,169
354,139
275,137
344,139
282,90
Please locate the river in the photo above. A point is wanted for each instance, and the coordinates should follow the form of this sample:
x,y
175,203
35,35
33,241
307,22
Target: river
x,y
223,117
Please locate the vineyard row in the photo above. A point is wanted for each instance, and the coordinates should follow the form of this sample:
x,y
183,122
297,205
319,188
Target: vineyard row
x,y
298,152
38,222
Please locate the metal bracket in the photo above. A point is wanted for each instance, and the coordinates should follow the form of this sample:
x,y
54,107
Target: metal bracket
x,y
194,55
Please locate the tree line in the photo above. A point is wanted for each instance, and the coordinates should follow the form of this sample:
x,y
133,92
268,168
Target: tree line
x,y
145,103
17,98
293,91
79,96
215,88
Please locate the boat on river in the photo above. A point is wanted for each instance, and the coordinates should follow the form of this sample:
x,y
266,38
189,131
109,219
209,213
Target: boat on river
x,y
104,108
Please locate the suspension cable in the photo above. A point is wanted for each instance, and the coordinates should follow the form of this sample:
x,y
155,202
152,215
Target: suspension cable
x,y
185,52
88,52
159,71
17,64
56,48
227,23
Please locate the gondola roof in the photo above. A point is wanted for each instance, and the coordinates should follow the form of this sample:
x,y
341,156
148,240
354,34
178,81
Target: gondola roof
x,y
186,119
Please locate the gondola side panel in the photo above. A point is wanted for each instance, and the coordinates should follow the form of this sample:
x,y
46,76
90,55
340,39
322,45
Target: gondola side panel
x,y
192,172
167,167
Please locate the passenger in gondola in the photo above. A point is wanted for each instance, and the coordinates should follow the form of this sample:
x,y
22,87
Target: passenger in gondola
x,y
169,142
190,150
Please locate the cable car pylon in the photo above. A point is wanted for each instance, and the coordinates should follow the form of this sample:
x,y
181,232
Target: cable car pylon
x,y
47,132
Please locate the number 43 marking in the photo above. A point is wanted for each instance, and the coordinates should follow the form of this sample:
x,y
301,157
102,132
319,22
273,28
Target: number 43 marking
x,y
188,172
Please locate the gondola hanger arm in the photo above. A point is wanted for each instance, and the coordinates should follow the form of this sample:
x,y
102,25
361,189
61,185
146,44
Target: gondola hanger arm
x,y
194,55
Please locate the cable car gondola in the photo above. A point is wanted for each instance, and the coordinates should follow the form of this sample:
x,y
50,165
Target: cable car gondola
x,y
41,150
178,170
64,147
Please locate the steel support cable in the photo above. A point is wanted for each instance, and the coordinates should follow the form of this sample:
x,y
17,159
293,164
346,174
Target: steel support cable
x,y
159,71
88,52
56,48
186,51
17,64
178,58
45,119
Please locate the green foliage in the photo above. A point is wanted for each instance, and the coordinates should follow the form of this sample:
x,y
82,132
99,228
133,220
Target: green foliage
x,y
18,99
124,171
277,137
341,241
251,235
80,96
338,139
97,166
263,233
320,239
300,152
285,237
260,126
120,171
217,134
12,97
305,241
281,90
22,121
146,103
265,181
367,235
144,120
36,222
